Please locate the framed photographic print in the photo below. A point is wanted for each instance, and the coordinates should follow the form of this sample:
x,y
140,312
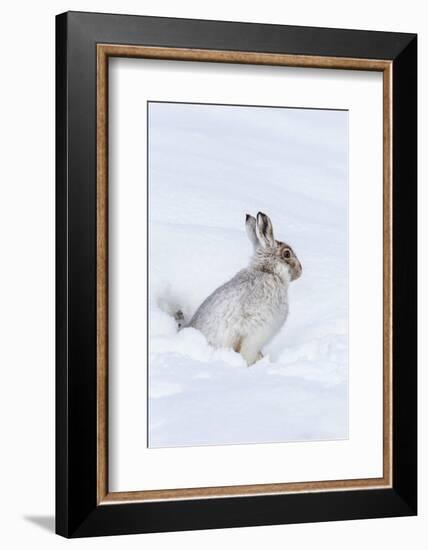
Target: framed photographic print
x,y
236,274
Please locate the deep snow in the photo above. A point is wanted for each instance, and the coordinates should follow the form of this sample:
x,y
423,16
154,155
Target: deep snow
x,y
208,166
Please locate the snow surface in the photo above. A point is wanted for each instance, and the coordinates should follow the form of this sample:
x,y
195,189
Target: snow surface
x,y
208,166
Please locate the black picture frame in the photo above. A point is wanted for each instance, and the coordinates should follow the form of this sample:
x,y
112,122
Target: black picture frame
x,y
77,511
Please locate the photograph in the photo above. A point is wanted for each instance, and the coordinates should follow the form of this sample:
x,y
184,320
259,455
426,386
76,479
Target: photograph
x,y
212,275
248,274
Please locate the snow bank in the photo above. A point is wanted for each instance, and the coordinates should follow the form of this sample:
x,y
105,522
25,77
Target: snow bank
x,y
209,165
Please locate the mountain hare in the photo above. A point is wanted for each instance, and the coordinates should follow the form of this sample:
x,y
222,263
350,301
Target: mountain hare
x,y
247,311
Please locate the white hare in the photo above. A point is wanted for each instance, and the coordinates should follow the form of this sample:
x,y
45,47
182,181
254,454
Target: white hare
x,y
247,311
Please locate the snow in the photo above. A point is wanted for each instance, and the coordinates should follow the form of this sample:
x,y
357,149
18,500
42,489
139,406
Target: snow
x,y
208,166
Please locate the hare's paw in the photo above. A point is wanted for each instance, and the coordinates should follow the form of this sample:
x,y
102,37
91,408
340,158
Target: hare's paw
x,y
179,319
249,351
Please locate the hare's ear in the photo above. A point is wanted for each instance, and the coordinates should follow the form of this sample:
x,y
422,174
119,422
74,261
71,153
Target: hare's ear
x,y
250,226
264,230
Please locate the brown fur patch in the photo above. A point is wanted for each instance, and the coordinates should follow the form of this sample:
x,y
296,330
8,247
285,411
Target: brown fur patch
x,y
237,345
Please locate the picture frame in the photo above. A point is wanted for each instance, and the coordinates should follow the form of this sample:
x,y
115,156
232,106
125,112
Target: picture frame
x,y
84,44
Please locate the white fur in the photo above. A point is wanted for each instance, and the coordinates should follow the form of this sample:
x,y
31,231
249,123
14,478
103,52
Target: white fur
x,y
247,311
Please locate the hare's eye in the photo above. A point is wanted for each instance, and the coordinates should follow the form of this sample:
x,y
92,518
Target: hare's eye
x,y
286,253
